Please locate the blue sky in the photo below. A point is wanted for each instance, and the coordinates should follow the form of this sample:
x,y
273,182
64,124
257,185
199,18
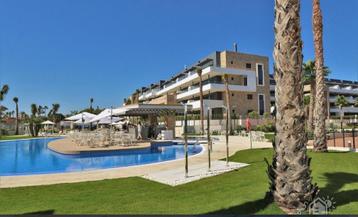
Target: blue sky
x,y
65,51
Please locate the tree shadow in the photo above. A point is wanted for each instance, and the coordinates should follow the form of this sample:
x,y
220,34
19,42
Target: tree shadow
x,y
250,207
336,181
42,212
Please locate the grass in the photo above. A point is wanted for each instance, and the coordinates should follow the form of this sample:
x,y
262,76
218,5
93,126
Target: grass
x,y
270,136
15,137
237,192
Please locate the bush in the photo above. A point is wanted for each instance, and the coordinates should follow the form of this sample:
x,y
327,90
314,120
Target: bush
x,y
240,128
265,128
215,133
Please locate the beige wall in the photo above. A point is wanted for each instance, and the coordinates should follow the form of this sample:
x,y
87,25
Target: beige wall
x,y
167,99
236,60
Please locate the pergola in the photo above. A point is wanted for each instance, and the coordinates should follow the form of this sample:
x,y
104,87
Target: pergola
x,y
150,109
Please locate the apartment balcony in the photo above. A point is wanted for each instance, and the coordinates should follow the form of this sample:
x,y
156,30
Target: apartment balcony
x,y
349,109
208,103
345,90
272,87
192,77
212,88
350,99
148,94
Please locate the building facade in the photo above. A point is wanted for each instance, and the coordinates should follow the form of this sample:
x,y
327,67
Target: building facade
x,y
249,85
335,88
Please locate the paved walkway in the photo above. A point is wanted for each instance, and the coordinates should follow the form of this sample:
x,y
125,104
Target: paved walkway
x,y
174,177
219,152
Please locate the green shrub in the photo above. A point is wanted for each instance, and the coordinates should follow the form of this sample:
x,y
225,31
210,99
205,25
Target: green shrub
x,y
265,128
215,133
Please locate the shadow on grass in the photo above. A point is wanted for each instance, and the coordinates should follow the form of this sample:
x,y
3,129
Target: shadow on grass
x,y
251,207
336,181
43,212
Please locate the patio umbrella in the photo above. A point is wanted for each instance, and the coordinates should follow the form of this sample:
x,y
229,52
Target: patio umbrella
x,y
48,123
81,115
107,120
104,114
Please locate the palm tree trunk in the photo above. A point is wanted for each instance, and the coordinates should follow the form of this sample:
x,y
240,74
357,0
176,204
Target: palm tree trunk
x,y
310,125
17,119
289,173
199,71
320,111
227,97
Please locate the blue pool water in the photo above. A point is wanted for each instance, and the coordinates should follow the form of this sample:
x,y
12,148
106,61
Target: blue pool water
x,y
25,157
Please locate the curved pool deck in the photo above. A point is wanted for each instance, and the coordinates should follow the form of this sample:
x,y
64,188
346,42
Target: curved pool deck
x,y
219,152
67,146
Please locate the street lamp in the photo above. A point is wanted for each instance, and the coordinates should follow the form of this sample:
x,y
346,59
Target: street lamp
x,y
227,135
186,138
209,139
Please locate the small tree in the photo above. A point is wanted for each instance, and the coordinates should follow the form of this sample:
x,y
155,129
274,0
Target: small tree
x,y
16,101
341,101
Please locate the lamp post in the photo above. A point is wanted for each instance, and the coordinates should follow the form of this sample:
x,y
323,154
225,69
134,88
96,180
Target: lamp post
x,y
227,136
186,139
209,139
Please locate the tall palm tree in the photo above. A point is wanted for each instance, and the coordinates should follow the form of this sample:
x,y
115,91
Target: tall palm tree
x,y
54,110
227,97
289,173
4,90
16,101
200,72
91,103
320,109
309,76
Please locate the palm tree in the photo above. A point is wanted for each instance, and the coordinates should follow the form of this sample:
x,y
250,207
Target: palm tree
x,y
199,72
4,90
16,101
32,124
91,102
306,103
54,110
320,109
341,102
310,77
227,97
289,173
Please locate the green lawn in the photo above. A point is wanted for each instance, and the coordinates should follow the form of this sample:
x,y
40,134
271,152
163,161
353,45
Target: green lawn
x,y
14,137
238,192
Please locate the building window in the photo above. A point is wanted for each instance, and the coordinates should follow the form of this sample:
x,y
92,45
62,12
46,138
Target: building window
x,y
245,81
232,94
249,96
231,62
232,78
261,104
248,65
260,74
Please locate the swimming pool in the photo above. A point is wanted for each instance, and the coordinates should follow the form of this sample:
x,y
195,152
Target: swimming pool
x,y
26,157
